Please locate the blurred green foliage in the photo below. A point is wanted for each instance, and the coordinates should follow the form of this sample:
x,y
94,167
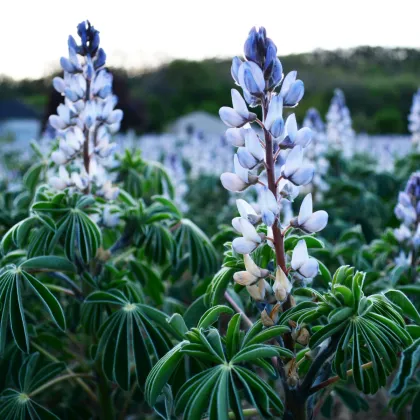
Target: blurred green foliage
x,y
370,77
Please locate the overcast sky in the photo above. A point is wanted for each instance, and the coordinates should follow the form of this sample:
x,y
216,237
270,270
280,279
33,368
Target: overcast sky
x,y
138,33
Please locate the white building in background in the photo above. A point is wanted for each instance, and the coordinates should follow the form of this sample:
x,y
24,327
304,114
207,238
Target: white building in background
x,y
197,122
19,123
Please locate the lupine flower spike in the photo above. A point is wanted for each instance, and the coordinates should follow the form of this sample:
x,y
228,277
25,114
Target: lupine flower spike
x,y
86,120
260,77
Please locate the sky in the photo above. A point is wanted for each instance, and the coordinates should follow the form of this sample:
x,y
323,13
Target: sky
x,y
139,34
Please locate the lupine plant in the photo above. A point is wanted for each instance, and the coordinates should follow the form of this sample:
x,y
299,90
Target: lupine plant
x,y
339,124
414,120
288,343
99,254
317,151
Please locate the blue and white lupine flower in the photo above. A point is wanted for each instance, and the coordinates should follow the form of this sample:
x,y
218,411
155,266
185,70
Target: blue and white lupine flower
x,y
252,273
274,120
269,207
414,120
407,211
305,265
292,90
259,290
240,180
239,115
294,170
282,285
258,159
86,120
252,154
339,124
403,233
307,220
287,190
236,136
250,237
247,211
317,150
293,136
110,216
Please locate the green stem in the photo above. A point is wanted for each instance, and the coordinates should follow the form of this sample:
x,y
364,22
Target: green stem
x,y
105,398
77,379
60,289
235,306
56,380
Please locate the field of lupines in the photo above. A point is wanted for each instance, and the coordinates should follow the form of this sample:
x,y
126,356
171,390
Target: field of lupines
x,y
271,272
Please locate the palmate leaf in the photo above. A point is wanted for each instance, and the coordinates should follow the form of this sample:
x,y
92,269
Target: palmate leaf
x,y
19,404
79,234
15,281
135,335
410,360
142,177
191,240
226,377
367,329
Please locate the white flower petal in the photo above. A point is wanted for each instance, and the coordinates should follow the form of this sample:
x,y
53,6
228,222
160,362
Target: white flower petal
x,y
293,161
232,182
257,291
253,145
249,232
243,246
310,268
303,176
305,209
244,278
230,117
291,127
245,209
303,137
316,222
300,255
240,170
235,136
275,111
251,267
287,82
246,159
239,104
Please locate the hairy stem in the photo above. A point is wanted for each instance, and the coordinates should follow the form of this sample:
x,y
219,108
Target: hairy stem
x,y
277,235
105,398
77,379
56,380
334,379
235,306
317,364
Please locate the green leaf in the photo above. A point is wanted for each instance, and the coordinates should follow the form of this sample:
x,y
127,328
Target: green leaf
x,y
212,315
311,242
409,362
256,351
48,263
402,301
324,333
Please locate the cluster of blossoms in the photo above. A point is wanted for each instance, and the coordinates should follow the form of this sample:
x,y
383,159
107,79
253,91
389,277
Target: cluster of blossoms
x,y
408,211
317,151
414,120
339,124
259,75
86,120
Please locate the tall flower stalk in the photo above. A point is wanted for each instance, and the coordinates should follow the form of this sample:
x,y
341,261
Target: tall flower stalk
x,y
339,124
414,120
261,78
87,119
408,212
